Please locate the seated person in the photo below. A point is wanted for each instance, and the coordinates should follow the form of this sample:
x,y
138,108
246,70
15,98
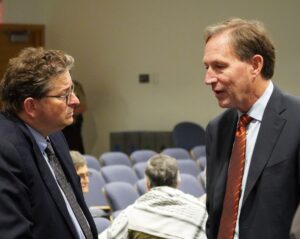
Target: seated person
x,y
81,169
164,211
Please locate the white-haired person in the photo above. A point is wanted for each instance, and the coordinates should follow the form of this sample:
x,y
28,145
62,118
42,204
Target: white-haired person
x,y
162,212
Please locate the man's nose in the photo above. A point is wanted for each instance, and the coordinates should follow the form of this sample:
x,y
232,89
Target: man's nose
x,y
74,99
210,77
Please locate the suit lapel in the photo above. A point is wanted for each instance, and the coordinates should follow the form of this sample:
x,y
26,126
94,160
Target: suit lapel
x,y
225,138
68,166
48,178
270,129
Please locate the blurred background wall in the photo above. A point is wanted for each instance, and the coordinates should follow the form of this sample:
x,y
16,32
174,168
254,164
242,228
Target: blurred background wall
x,y
113,41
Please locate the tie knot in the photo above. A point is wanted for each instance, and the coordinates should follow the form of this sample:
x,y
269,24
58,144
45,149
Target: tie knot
x,y
244,120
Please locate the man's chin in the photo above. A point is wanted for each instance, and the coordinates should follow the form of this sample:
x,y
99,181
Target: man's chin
x,y
222,104
70,121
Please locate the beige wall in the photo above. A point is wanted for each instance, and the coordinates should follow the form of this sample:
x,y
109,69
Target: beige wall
x,y
114,41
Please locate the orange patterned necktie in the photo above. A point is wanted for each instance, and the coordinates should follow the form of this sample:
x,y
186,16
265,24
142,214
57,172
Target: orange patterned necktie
x,y
234,181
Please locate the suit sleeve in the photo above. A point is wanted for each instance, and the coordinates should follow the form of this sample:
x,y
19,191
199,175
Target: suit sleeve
x,y
14,198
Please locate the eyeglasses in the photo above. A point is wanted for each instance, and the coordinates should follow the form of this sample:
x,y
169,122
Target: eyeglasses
x,y
84,175
66,97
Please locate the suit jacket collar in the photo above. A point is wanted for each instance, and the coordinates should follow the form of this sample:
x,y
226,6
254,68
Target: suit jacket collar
x,y
46,174
224,146
271,126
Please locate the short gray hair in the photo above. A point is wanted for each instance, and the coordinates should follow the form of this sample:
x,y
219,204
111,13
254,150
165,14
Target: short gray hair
x,y
162,170
78,159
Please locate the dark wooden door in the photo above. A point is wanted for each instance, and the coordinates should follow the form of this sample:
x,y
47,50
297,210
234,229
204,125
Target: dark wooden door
x,y
15,37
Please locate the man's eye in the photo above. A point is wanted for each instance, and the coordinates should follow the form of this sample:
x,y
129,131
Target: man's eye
x,y
220,66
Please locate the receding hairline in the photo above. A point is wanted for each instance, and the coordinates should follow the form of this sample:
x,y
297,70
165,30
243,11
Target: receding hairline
x,y
230,25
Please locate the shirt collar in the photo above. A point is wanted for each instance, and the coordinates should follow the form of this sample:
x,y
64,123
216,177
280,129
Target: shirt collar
x,y
257,110
40,140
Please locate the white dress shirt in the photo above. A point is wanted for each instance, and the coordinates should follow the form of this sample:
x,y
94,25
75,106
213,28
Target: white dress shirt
x,y
256,112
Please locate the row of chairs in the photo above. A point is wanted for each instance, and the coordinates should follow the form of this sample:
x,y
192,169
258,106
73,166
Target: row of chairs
x,y
117,194
132,174
197,154
186,135
125,173
114,185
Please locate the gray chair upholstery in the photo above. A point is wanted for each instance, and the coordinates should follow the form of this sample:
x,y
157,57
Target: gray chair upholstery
x,y
177,153
120,195
119,173
95,196
189,184
141,186
198,151
112,158
101,223
139,169
188,166
141,155
92,162
202,162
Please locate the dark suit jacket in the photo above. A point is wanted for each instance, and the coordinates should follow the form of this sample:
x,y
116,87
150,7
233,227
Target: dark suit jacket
x,y
272,188
31,205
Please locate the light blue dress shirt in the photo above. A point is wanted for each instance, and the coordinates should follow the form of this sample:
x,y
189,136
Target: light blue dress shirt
x,y
42,144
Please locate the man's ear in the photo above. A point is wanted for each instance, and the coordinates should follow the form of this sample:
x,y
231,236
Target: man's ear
x,y
30,106
147,182
257,63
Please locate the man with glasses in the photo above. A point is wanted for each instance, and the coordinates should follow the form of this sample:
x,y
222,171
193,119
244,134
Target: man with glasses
x,y
40,194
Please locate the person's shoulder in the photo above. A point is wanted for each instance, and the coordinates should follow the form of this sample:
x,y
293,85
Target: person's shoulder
x,y
278,94
6,121
197,201
292,99
11,128
285,103
59,140
58,135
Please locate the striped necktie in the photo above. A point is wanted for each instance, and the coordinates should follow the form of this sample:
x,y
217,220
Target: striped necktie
x,y
67,189
234,181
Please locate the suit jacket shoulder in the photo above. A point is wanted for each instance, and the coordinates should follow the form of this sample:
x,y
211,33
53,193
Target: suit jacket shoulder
x,y
29,196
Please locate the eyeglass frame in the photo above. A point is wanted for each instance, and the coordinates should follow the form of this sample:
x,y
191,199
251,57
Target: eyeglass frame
x,y
66,97
84,175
